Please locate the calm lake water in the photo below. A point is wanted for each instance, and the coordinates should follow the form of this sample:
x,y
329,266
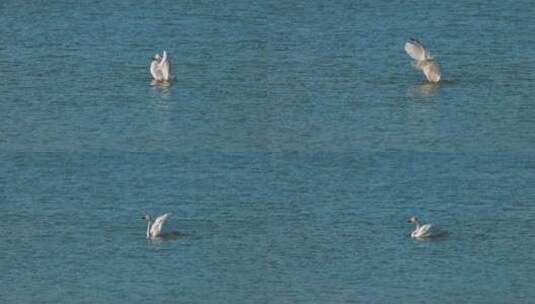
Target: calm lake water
x,y
292,148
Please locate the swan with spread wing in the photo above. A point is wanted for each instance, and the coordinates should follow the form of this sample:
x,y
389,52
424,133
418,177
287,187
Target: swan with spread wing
x,y
422,230
160,67
154,229
423,60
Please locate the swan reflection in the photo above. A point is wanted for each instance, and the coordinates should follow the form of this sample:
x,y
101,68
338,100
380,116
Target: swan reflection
x,y
427,89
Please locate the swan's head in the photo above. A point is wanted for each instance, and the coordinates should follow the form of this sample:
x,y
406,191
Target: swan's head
x,y
414,40
146,217
156,57
413,220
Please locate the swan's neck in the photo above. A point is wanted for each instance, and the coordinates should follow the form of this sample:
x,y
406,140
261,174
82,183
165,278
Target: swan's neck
x,y
148,228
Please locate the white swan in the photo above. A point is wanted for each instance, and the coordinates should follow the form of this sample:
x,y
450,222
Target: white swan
x,y
423,60
160,67
421,231
154,230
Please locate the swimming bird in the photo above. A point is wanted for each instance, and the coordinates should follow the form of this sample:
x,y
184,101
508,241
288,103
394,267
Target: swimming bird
x,y
160,67
423,60
421,231
154,230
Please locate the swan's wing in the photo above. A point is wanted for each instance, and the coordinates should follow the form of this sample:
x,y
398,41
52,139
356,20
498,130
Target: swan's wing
x,y
431,70
156,227
416,50
164,56
155,71
165,67
425,230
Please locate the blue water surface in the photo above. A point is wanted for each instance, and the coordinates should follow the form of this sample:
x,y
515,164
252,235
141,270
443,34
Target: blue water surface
x,y
291,148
